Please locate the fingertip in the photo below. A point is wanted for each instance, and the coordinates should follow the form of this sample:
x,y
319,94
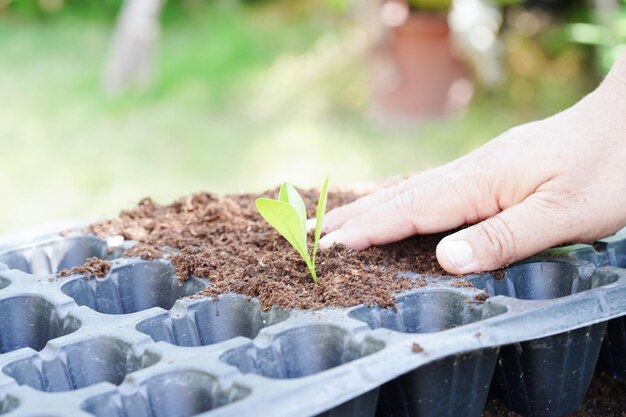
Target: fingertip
x,y
310,224
456,256
329,240
333,220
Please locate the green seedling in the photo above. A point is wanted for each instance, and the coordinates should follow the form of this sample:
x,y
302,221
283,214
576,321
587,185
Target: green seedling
x,y
287,215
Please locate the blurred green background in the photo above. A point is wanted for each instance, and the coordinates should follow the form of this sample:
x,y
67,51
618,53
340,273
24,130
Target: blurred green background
x,y
245,95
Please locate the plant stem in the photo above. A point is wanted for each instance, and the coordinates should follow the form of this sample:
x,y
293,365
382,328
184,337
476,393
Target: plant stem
x,y
311,266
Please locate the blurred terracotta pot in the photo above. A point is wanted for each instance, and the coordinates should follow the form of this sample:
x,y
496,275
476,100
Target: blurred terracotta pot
x,y
416,73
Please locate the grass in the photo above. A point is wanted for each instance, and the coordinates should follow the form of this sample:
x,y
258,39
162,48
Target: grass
x,y
246,97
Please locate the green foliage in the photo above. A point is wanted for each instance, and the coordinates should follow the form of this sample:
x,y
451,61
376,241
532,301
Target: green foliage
x,y
287,215
47,8
431,5
172,11
340,6
216,79
439,6
604,30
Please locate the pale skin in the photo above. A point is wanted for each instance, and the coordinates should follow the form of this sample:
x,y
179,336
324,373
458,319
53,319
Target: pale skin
x,y
554,181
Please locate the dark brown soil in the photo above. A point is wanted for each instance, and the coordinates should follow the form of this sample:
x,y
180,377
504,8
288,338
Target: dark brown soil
x,y
498,274
144,251
225,240
93,267
416,348
481,297
606,397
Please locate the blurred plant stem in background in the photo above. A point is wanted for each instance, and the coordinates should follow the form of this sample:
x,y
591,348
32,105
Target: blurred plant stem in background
x,y
132,54
247,94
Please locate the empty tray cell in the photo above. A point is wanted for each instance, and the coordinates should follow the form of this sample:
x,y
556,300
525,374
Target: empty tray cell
x,y
302,351
31,321
174,394
424,312
450,387
541,280
614,348
212,321
54,255
79,365
457,385
549,377
130,288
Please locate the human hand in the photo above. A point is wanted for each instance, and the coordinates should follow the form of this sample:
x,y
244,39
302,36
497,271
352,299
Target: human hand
x,y
558,180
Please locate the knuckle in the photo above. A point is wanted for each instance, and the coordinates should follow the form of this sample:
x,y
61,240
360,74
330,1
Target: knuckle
x,y
475,189
499,241
403,186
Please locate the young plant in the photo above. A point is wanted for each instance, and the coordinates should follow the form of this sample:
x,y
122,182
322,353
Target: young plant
x,y
287,215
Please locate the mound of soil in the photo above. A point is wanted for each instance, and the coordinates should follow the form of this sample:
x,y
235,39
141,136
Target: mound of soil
x,y
224,239
93,267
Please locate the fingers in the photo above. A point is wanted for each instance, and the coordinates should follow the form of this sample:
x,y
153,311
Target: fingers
x,y
439,205
516,233
336,218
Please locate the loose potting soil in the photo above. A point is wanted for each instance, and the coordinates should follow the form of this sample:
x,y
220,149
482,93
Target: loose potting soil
x,y
225,240
93,267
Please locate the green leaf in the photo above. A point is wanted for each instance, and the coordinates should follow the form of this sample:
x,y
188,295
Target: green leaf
x,y
285,219
319,217
289,194
288,216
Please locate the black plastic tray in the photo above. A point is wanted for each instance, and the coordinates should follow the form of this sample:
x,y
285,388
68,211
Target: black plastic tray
x,y
126,345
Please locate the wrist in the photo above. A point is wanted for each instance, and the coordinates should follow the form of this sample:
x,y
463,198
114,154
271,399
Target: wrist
x,y
603,109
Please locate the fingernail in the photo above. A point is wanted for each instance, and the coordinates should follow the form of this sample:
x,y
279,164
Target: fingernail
x,y
458,252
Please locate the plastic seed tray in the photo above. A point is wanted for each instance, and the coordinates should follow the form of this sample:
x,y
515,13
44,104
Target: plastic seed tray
x,y
126,346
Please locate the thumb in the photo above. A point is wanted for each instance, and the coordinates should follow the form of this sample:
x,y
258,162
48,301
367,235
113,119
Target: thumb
x,y
514,234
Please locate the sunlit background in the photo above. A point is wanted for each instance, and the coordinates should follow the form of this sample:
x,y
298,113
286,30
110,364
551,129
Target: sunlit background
x,y
105,102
